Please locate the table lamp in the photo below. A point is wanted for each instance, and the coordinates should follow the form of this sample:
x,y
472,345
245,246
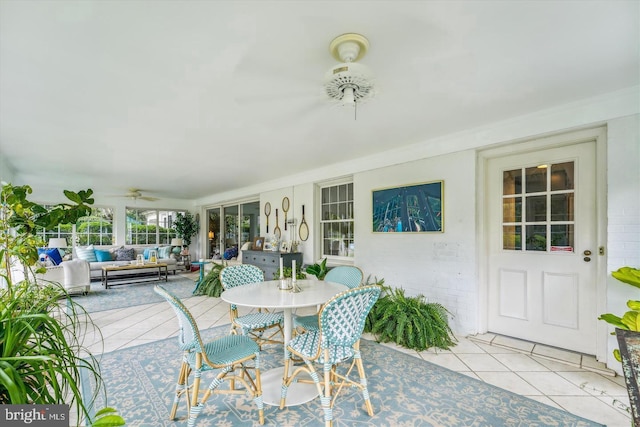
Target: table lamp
x,y
57,242
177,242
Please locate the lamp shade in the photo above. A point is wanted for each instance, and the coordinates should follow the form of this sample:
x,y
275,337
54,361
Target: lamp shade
x,y
58,242
211,235
176,242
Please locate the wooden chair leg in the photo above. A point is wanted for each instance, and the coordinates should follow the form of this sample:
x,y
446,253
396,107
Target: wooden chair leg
x,y
285,379
258,393
326,398
363,383
181,388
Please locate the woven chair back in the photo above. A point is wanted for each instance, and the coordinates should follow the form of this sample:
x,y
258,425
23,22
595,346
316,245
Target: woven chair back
x,y
346,275
188,334
342,318
238,275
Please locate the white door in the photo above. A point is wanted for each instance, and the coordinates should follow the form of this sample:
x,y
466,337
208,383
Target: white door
x,y
542,246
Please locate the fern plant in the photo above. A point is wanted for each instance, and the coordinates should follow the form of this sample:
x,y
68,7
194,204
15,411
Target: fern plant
x,y
411,322
211,284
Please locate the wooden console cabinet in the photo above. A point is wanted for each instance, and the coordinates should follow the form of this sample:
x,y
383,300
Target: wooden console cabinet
x,y
269,262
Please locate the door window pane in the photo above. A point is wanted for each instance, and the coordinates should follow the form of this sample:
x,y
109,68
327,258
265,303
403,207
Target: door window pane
x,y
562,207
553,203
536,208
512,209
214,227
536,179
512,237
230,227
536,237
562,176
250,223
512,182
562,236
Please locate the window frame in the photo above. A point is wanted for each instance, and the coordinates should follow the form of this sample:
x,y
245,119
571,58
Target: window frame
x,y
341,204
161,235
73,235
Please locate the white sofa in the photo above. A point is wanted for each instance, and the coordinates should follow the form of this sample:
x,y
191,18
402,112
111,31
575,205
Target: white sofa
x,y
73,275
95,267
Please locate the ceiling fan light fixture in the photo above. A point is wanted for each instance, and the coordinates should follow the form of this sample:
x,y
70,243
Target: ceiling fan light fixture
x,y
349,47
349,82
348,99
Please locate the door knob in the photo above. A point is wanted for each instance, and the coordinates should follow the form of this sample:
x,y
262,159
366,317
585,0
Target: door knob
x,y
587,252
586,259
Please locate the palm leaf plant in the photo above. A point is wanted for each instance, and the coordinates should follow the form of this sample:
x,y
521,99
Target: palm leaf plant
x,y
41,328
411,322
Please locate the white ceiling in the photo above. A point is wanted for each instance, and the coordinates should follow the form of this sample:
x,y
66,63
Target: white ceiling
x,y
186,99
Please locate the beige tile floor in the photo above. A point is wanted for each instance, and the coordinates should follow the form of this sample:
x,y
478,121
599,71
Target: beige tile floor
x,y
573,382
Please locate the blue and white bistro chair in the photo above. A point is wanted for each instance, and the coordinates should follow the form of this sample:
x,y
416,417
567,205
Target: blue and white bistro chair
x,y
337,341
347,275
263,326
225,356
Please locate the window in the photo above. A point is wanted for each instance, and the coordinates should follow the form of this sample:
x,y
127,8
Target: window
x,y
150,226
336,221
538,208
96,229
62,231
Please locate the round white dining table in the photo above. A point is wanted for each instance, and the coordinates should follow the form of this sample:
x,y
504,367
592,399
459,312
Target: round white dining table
x,y
267,294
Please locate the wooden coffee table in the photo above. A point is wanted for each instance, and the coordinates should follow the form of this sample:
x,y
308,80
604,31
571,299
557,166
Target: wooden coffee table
x,y
134,273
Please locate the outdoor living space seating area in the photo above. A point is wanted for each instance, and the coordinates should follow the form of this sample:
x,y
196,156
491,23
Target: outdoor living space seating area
x,y
568,381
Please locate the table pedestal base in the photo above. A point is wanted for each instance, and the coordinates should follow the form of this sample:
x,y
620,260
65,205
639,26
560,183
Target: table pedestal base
x,y
297,394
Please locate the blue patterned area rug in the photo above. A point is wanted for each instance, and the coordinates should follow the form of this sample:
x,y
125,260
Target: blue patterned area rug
x,y
128,295
405,391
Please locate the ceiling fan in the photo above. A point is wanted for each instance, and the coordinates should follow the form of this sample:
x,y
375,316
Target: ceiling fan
x,y
349,83
136,193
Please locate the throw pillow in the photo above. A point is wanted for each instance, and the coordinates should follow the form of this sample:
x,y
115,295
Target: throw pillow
x,y
52,253
230,253
164,252
88,254
102,256
147,251
124,254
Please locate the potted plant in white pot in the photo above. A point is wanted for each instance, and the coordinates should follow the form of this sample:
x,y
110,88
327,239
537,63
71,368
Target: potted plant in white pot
x,y
185,226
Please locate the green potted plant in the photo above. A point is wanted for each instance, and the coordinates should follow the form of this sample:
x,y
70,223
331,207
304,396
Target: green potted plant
x,y
211,284
319,270
288,272
411,322
185,226
630,320
40,360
